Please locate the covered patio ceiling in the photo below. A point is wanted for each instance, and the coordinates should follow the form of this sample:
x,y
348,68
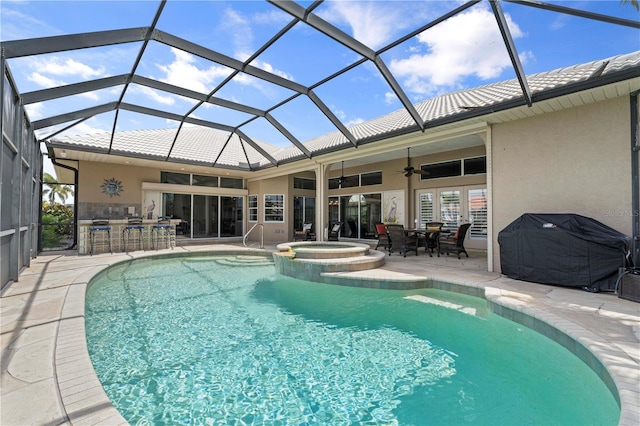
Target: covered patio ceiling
x,y
265,113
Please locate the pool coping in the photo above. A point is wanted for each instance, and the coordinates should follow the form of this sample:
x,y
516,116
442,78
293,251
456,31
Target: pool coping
x,y
84,402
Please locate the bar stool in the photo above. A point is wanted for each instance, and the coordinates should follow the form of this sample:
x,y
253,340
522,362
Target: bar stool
x,y
161,229
134,223
99,225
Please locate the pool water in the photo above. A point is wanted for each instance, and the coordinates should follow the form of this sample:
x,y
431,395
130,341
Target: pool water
x,y
224,340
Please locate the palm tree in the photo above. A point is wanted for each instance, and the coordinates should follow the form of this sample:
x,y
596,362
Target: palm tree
x,y
633,3
55,189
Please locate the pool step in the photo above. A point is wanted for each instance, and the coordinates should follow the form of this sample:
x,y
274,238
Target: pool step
x,y
376,278
245,261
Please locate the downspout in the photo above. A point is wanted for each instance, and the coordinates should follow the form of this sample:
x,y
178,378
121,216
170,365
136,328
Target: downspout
x,y
635,179
75,200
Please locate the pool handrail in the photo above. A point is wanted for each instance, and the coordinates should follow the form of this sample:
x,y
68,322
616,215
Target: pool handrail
x,y
244,239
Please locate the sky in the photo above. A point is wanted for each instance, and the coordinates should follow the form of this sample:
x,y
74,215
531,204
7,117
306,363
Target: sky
x,y
464,51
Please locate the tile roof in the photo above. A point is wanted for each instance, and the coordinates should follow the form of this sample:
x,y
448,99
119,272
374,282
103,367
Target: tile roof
x,y
204,145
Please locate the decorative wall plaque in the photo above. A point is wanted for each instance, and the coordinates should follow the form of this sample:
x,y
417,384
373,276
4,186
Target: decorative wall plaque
x,y
112,187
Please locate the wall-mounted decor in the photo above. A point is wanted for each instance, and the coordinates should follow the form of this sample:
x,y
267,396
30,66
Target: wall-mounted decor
x,y
393,207
151,204
112,187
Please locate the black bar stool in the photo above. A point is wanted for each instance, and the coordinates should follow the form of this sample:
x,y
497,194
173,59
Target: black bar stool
x,y
134,223
162,230
99,225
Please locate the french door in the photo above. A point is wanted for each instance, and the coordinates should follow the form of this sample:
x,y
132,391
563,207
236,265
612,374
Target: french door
x,y
454,206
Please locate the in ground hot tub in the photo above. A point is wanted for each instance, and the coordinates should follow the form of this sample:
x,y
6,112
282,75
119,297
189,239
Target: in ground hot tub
x,y
319,261
325,250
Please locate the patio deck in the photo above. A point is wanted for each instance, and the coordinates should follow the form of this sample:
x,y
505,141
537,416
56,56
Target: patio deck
x,y
44,355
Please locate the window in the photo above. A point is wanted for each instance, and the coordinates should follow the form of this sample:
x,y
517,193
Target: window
x,y
210,181
304,211
467,166
450,209
478,213
226,182
352,181
347,182
426,208
440,170
253,208
304,183
373,178
175,178
475,165
201,180
274,208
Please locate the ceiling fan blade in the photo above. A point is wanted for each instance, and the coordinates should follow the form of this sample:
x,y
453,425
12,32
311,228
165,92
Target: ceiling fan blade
x,y
422,172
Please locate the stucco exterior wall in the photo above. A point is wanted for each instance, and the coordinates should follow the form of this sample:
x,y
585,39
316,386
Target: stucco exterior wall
x,y
274,232
571,161
92,201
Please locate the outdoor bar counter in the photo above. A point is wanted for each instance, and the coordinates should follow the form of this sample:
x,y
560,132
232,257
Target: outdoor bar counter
x,y
120,235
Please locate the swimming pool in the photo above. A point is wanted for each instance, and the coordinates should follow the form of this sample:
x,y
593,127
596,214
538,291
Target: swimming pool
x,y
197,341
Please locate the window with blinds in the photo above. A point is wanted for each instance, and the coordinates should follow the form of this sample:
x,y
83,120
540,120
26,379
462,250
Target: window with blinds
x,y
478,213
450,209
426,209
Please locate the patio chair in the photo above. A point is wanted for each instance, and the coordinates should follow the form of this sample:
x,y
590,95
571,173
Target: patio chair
x,y
334,232
430,239
383,238
400,241
162,232
99,225
448,243
134,223
304,233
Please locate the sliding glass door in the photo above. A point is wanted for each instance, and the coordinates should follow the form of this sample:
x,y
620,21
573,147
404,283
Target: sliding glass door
x,y
358,213
205,216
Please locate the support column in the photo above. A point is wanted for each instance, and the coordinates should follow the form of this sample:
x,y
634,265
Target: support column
x,y
322,211
635,179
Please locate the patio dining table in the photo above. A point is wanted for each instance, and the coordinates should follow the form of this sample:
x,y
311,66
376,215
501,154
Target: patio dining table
x,y
430,237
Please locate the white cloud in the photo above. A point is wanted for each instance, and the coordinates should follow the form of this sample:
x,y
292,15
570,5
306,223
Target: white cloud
x,y
44,81
338,112
239,29
17,25
468,44
34,111
269,68
559,23
85,129
354,122
67,67
389,17
155,95
390,98
184,72
272,17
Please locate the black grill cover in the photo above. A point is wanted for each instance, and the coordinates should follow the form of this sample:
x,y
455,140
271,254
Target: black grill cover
x,y
562,249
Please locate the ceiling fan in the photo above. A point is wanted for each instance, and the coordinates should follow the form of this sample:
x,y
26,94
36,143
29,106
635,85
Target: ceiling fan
x,y
410,170
342,179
